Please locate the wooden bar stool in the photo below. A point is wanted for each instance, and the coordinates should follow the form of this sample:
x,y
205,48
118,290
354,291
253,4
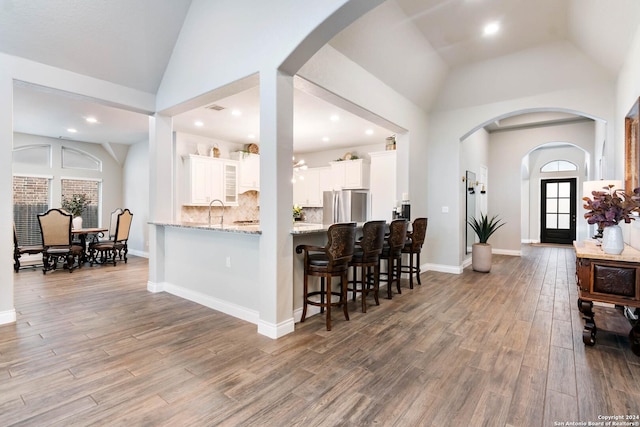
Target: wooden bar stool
x,y
327,262
365,258
413,246
392,254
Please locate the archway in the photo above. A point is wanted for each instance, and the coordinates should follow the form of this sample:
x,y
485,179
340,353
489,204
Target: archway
x,y
509,138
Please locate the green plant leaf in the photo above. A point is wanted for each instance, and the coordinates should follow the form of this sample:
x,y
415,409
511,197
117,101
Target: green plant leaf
x,y
485,227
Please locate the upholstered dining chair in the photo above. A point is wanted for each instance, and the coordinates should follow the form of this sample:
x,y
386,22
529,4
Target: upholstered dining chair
x,y
55,227
392,254
366,259
113,223
19,250
413,246
326,262
116,246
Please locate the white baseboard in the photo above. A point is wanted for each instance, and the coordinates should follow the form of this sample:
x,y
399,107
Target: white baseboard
x,y
155,287
442,268
276,331
234,310
466,263
7,316
136,252
506,252
312,310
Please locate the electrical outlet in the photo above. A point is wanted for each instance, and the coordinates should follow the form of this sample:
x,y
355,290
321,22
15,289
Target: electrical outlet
x,y
228,262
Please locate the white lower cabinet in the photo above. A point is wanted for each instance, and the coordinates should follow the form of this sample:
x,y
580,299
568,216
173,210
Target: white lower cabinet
x,y
209,178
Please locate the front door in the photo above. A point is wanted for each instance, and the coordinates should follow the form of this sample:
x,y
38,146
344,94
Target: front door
x,y
558,206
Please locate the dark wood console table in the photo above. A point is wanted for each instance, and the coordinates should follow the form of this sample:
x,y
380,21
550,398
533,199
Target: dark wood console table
x,y
613,279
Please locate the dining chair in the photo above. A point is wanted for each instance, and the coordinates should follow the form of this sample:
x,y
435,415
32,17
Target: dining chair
x,y
326,262
413,246
55,228
392,254
116,246
19,250
365,259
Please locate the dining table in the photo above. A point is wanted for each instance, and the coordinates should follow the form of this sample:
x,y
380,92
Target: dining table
x,y
83,234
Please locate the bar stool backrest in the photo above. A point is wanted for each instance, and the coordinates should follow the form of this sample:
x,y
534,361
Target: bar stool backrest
x,y
340,245
397,236
418,233
372,240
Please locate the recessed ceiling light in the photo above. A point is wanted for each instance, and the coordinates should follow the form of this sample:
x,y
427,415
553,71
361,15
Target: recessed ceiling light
x,y
91,120
251,136
491,28
334,118
369,131
198,123
236,113
325,139
72,130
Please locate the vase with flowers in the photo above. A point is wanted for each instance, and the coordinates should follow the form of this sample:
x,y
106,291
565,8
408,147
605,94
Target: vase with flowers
x,y
75,205
298,213
608,208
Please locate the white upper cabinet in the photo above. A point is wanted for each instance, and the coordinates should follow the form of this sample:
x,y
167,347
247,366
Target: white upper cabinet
x,y
209,178
350,174
248,171
309,185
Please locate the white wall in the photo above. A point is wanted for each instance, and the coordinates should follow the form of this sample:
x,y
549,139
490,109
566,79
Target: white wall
x,y
628,92
135,191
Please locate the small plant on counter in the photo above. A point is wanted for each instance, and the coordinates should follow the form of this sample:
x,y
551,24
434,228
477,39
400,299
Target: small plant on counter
x,y
297,211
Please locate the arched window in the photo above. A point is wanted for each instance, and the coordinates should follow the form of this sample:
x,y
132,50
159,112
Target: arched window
x,y
75,159
559,166
34,155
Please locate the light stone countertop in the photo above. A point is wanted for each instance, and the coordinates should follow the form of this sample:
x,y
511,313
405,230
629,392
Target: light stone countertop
x,y
298,227
590,249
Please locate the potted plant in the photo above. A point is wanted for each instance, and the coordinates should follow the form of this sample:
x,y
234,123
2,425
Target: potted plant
x,y
608,208
75,205
481,251
297,213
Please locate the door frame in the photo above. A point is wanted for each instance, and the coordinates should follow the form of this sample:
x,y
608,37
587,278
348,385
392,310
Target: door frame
x,y
573,205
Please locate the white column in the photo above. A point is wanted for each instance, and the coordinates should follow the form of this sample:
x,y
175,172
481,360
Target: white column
x,y
276,200
161,187
7,310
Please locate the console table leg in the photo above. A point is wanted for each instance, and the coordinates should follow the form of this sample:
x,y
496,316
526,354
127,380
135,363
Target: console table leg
x,y
634,338
590,329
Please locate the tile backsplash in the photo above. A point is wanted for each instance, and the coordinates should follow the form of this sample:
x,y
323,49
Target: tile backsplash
x,y
246,210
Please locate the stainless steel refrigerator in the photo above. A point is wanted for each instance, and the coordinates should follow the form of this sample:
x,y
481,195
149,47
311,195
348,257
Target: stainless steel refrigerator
x,y
344,206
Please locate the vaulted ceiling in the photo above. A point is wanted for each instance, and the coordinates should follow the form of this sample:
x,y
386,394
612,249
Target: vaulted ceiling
x,y
411,45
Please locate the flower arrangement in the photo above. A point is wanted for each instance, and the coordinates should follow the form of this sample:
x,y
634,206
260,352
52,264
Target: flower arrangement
x,y
297,211
609,207
76,204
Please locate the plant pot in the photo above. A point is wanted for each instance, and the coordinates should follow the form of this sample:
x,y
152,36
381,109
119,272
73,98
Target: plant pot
x,y
481,257
612,240
76,223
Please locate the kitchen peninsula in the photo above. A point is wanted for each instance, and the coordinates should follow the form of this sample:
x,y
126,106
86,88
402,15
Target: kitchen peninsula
x,y
229,256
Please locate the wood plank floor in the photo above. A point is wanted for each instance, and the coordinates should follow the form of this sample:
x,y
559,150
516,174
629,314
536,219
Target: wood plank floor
x,y
500,349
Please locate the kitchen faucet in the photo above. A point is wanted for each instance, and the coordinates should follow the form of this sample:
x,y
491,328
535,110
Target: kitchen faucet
x,y
221,216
